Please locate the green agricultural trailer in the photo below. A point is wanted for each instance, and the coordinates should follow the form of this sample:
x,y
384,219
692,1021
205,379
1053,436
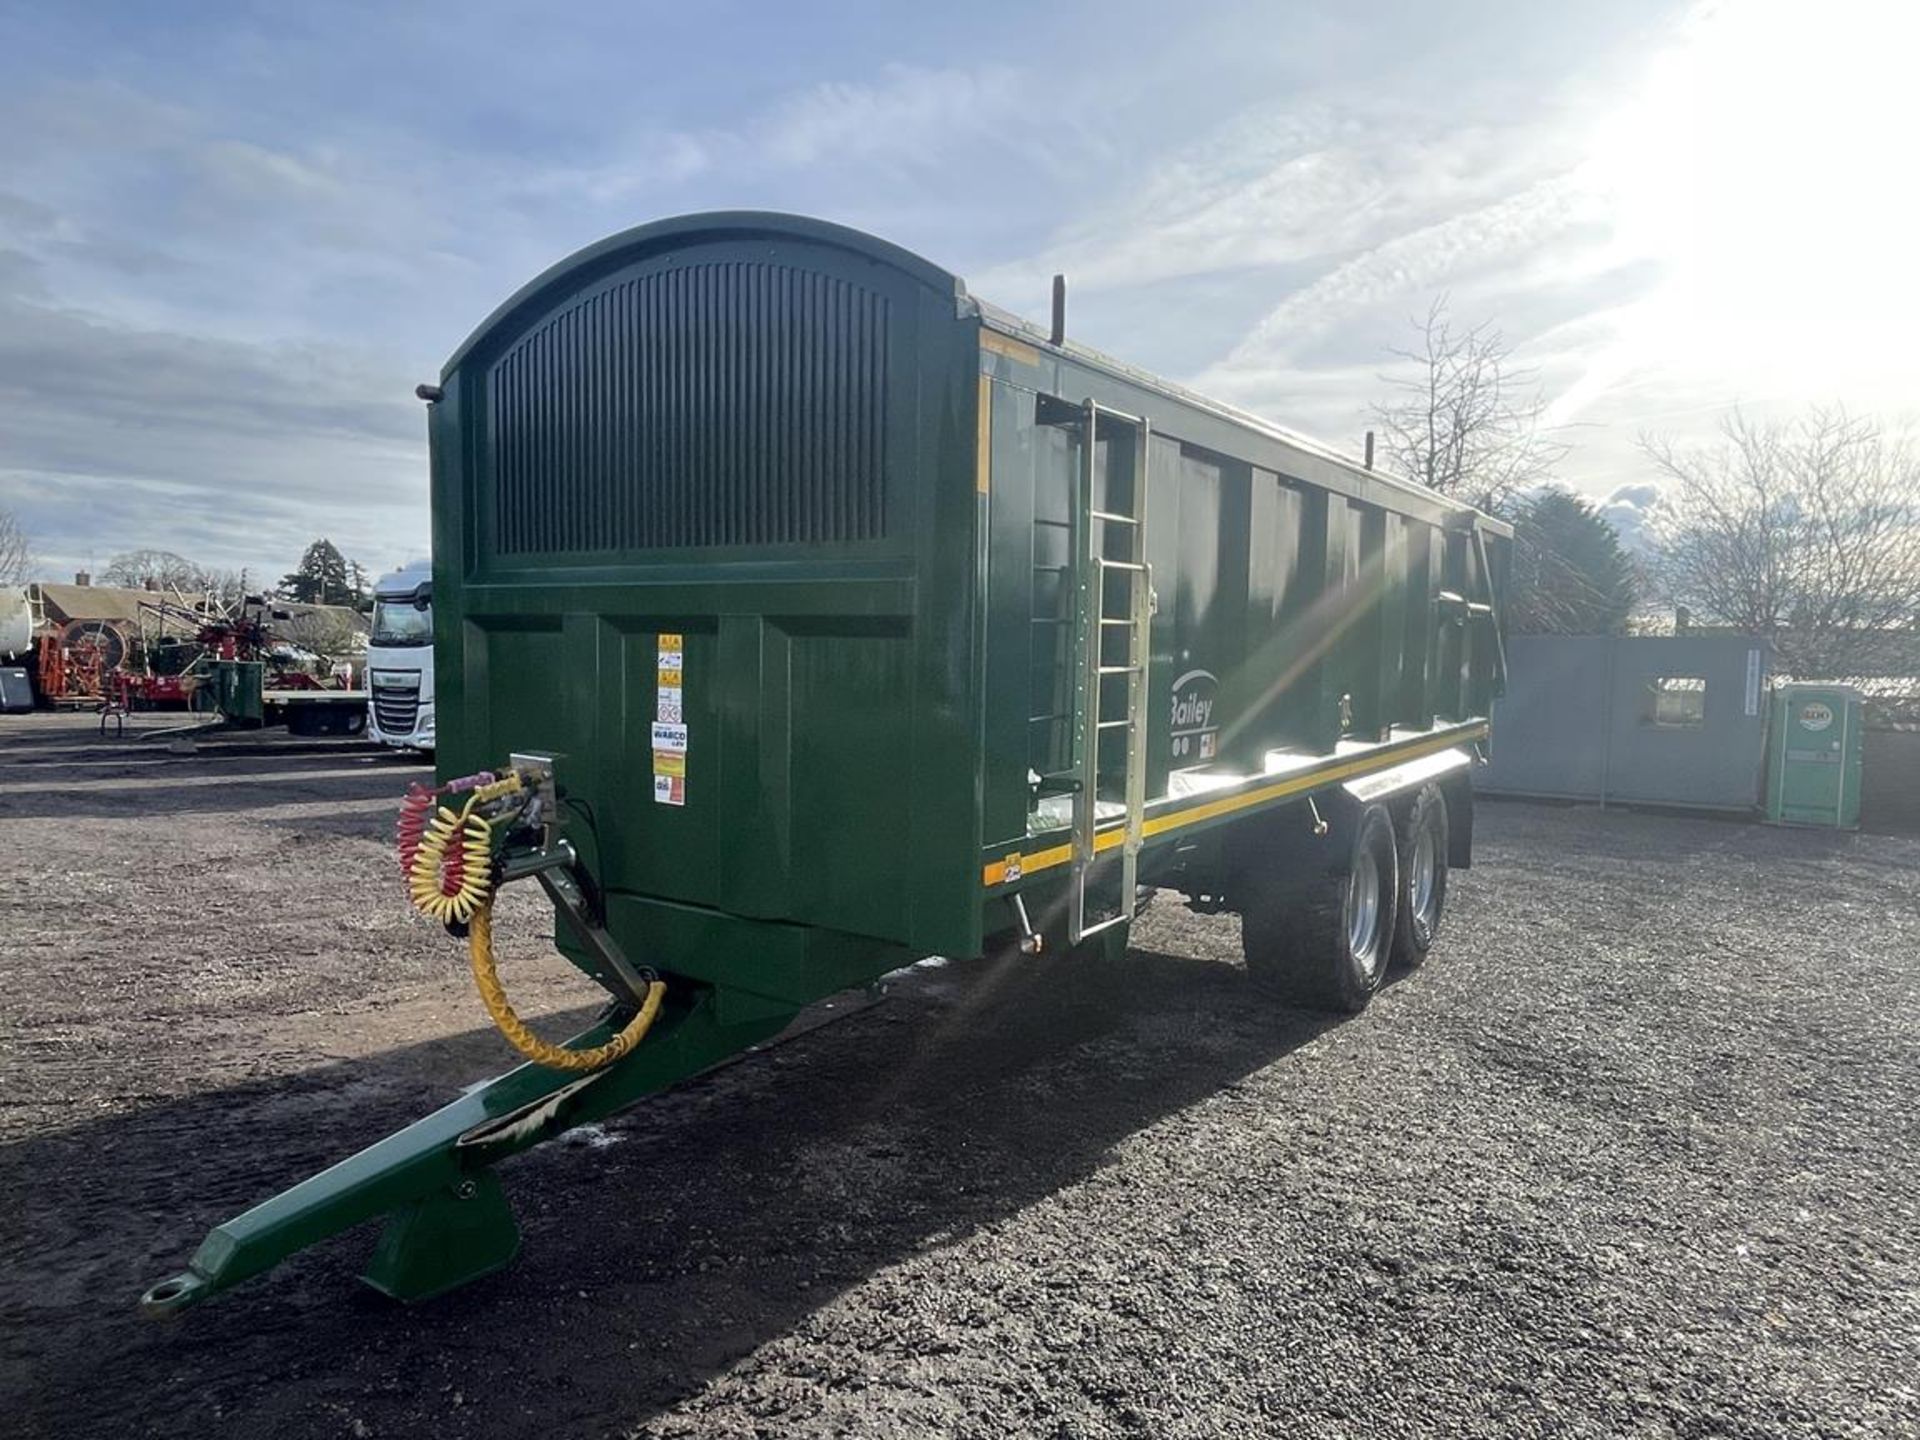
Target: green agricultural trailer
x,y
798,615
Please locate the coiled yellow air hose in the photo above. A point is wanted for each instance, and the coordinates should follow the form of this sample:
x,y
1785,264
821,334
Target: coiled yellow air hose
x,y
451,873
486,980
449,869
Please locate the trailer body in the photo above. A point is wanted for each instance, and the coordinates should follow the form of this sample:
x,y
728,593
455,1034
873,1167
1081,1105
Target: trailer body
x,y
856,504
849,620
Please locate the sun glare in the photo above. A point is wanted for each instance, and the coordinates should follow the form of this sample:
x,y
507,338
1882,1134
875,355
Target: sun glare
x,y
1765,165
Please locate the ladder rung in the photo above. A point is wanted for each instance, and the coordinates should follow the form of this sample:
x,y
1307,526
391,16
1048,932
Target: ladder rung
x,y
1113,724
1048,620
1106,564
1111,620
1119,669
1114,519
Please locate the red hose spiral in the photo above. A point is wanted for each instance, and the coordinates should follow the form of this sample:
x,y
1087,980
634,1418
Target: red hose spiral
x,y
415,810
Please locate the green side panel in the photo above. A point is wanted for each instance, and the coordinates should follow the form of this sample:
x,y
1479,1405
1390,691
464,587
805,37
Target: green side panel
x,y
1416,699
1814,756
847,777
1024,609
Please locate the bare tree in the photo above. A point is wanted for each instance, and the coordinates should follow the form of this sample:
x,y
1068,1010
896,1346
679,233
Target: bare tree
x,y
165,569
16,560
328,632
1806,532
1466,423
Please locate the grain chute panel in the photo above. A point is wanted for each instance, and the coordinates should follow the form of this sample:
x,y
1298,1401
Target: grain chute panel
x,y
716,398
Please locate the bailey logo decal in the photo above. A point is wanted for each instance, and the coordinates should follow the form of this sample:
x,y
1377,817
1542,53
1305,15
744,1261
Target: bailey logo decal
x,y
1195,731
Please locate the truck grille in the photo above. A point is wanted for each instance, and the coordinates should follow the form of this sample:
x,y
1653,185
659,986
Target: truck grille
x,y
728,403
395,710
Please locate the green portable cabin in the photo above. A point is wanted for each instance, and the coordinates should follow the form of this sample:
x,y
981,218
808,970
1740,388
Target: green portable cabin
x,y
840,619
1814,756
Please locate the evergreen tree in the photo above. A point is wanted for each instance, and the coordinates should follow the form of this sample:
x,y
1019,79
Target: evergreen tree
x,y
322,579
1570,576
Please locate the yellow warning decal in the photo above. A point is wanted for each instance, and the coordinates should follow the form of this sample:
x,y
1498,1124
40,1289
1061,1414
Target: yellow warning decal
x,y
983,443
1006,345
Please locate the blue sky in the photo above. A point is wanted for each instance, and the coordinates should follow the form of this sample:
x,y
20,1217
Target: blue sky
x,y
233,236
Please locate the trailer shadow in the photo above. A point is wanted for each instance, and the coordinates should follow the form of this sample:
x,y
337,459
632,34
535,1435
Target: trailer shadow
x,y
690,1231
207,790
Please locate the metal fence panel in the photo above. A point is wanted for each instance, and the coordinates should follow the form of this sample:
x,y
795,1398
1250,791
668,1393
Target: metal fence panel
x,y
1653,720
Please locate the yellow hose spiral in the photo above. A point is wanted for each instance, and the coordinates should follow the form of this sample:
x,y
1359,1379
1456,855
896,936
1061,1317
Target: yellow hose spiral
x,y
475,857
486,980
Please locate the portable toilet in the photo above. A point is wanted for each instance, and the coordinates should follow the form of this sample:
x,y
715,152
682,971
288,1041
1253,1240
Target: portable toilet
x,y
1814,777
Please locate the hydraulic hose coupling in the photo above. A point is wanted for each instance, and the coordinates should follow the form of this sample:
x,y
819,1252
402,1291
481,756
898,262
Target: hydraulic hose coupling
x,y
446,855
446,858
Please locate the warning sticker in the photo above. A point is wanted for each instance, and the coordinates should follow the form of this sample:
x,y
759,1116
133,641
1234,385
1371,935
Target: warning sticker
x,y
669,727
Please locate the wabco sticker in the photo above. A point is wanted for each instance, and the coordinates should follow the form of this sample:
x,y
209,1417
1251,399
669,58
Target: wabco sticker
x,y
670,737
666,762
669,790
669,707
1196,733
1815,716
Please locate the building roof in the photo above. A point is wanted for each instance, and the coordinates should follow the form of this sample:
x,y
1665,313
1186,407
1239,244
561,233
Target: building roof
x,y
111,603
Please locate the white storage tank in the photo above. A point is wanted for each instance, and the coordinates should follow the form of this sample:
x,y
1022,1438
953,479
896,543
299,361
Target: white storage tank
x,y
16,622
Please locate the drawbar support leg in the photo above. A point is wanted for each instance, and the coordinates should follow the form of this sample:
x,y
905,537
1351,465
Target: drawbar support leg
x,y
441,1241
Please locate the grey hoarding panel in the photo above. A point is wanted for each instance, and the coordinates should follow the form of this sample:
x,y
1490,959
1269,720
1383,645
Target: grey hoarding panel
x,y
1656,720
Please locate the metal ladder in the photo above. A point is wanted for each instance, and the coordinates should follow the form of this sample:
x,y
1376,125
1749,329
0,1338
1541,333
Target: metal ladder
x,y
1094,628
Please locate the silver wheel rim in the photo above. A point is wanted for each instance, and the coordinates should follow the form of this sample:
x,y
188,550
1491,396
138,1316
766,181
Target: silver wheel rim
x,y
1421,881
1363,907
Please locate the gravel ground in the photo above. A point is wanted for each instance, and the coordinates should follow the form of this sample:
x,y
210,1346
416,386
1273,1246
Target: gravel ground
x,y
1633,1156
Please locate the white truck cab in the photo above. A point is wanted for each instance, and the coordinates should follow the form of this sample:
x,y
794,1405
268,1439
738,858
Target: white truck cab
x,y
400,660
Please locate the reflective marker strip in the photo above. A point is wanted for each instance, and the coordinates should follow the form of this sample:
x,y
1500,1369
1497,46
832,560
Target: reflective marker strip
x,y
1013,867
1006,345
983,472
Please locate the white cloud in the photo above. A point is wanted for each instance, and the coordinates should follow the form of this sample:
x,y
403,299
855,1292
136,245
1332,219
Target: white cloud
x,y
908,117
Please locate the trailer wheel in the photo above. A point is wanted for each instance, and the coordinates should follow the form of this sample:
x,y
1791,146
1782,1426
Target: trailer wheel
x,y
1321,938
1423,877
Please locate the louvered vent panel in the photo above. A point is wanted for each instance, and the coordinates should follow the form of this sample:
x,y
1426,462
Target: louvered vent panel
x,y
724,404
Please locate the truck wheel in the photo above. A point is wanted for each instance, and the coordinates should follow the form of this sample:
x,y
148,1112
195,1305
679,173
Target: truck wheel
x,y
1321,938
1423,877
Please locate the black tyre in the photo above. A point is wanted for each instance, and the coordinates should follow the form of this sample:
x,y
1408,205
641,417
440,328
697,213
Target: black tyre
x,y
1319,933
1423,877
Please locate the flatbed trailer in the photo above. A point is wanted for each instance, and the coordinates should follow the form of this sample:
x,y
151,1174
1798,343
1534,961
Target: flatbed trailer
x,y
798,615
